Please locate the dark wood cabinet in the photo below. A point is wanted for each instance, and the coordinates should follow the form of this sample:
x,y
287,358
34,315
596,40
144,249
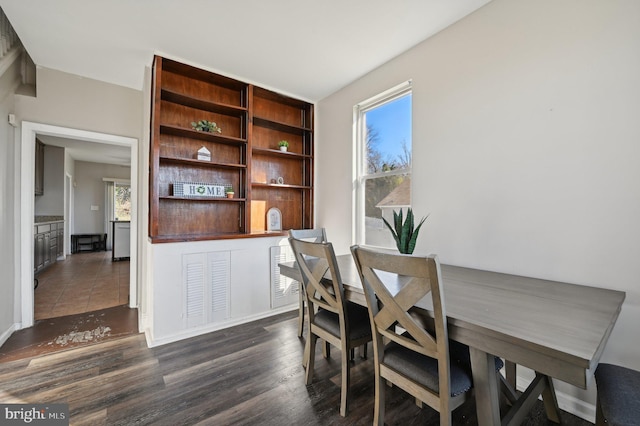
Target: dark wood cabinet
x,y
244,156
48,244
39,168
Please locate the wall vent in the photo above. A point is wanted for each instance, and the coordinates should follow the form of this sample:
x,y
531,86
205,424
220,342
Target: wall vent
x,y
207,280
284,290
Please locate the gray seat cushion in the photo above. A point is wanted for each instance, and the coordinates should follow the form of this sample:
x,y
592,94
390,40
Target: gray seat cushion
x,y
358,321
619,394
460,354
459,364
424,369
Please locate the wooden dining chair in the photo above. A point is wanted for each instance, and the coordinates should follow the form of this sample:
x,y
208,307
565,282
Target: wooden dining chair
x,y
618,401
338,322
406,354
317,235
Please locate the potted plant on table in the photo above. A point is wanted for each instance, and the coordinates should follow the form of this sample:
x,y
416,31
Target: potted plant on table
x,y
405,233
283,145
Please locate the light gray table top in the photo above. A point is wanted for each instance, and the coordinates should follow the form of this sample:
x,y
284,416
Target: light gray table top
x,y
556,328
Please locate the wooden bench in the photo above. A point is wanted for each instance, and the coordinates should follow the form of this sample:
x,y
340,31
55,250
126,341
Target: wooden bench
x,y
88,242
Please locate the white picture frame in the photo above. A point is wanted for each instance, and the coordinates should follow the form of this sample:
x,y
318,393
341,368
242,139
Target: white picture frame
x,y
274,219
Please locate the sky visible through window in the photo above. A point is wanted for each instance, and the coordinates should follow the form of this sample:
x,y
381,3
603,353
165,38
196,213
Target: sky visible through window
x,y
392,121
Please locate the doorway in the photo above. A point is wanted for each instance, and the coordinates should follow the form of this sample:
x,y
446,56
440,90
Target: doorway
x,y
24,240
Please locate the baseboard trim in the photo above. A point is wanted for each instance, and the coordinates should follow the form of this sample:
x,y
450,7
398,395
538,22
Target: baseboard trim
x,y
153,342
5,336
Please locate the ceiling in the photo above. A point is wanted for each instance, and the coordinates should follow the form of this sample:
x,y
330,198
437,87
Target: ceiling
x,y
307,49
92,152
303,48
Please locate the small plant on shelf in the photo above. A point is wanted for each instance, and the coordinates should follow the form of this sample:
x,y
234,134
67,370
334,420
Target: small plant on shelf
x,y
206,126
283,145
229,191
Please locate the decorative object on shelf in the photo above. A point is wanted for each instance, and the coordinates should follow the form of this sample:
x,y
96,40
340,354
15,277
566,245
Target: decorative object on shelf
x,y
230,193
197,189
206,126
283,145
204,154
280,180
274,219
404,233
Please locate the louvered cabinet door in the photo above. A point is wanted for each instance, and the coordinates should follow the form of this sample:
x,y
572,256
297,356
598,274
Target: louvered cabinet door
x,y
284,290
206,283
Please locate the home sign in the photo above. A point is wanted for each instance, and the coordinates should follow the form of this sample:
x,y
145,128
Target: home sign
x,y
196,189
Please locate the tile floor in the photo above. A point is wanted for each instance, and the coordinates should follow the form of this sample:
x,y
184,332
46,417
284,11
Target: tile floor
x,y
83,282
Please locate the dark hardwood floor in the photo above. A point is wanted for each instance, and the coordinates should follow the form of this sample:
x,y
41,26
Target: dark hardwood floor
x,y
70,331
245,375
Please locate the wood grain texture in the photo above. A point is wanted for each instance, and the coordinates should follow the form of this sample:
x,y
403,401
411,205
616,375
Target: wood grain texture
x,y
246,375
553,327
252,121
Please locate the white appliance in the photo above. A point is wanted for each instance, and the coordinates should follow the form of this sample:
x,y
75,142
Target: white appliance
x,y
121,240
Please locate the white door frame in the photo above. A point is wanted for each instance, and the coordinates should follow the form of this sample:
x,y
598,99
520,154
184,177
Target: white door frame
x,y
24,240
68,210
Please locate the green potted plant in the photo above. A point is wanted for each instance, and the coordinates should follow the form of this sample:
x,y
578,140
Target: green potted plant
x,y
283,145
405,233
229,191
206,126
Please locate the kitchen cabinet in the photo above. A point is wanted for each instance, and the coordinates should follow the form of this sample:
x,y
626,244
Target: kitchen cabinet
x,y
38,262
60,251
48,244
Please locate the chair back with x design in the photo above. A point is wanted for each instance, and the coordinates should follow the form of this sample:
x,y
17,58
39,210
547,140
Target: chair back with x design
x,y
409,352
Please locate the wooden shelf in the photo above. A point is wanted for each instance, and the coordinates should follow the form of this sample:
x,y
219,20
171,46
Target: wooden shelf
x,y
278,153
279,186
201,163
206,199
202,104
204,136
275,125
192,73
253,120
217,236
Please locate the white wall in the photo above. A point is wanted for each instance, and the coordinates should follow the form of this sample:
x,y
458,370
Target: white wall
x,y
72,102
90,191
525,148
68,100
9,80
51,202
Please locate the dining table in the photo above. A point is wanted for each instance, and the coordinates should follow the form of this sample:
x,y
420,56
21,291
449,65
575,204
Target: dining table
x,y
557,329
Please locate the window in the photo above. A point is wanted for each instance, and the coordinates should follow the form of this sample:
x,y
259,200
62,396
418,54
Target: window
x,y
383,163
122,201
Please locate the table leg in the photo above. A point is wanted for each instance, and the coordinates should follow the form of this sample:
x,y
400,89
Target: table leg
x,y
550,401
485,382
510,373
541,384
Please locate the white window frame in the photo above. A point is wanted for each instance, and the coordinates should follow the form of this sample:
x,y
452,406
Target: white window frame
x,y
361,176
